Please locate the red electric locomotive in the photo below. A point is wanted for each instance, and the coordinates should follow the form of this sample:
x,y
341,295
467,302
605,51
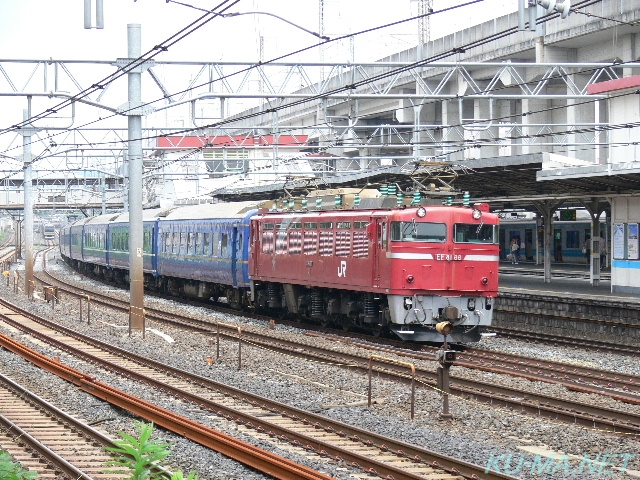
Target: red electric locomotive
x,y
406,269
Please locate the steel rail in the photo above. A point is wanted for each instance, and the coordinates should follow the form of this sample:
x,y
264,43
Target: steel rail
x,y
568,341
400,449
589,380
243,452
42,451
527,402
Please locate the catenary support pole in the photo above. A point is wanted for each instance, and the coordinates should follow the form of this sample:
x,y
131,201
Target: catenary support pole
x,y
136,311
28,204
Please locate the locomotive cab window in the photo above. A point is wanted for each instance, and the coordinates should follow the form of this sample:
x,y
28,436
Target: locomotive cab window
x,y
418,232
474,233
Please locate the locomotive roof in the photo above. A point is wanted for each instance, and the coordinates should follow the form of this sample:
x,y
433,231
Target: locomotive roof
x,y
213,210
396,212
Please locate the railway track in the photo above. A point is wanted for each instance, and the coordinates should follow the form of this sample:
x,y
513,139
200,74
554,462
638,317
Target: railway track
x,y
587,380
564,341
625,388
526,402
627,349
265,419
48,441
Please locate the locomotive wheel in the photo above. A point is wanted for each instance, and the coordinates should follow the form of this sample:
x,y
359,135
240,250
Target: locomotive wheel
x,y
345,323
378,330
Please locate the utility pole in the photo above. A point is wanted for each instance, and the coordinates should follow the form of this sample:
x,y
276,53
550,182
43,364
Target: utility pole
x,y
424,27
134,111
321,32
27,157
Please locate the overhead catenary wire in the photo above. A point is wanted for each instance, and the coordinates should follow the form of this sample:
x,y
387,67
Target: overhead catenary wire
x,y
141,59
381,76
132,64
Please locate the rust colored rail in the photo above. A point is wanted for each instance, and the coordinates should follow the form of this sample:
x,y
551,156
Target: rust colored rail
x,y
540,405
243,452
53,431
417,457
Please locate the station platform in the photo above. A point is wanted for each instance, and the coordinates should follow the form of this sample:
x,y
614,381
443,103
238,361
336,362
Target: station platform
x,y
567,279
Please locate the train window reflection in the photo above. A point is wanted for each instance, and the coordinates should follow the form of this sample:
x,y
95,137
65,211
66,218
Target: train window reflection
x,y
418,232
223,245
474,233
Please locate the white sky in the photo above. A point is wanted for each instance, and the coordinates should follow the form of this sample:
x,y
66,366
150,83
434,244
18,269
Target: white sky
x,y
38,29
43,29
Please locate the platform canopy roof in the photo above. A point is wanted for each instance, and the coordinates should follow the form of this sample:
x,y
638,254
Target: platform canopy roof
x,y
507,183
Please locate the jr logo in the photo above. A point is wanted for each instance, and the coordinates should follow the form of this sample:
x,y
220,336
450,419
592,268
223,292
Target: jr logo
x,y
342,270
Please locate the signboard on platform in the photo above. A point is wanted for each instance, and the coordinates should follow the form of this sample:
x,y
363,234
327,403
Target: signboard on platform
x,y
618,241
632,241
568,215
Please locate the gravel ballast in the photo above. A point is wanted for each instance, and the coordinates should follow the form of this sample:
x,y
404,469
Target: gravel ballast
x,y
492,437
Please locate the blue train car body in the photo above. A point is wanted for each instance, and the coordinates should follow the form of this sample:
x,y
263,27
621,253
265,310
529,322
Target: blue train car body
x,y
197,251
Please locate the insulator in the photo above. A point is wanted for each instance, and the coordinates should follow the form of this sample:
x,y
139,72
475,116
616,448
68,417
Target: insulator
x,y
449,201
338,200
392,190
400,198
356,200
417,198
384,190
275,205
292,203
319,202
316,304
304,202
466,199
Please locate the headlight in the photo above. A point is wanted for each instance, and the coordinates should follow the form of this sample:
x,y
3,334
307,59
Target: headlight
x,y
421,212
476,214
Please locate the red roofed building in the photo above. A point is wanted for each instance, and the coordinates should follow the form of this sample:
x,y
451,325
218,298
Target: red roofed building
x,y
174,142
227,154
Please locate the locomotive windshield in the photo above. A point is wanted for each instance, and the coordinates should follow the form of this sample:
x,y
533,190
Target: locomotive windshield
x,y
418,232
470,233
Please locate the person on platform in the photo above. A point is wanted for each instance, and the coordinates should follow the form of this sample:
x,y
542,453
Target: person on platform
x,y
515,246
603,251
586,249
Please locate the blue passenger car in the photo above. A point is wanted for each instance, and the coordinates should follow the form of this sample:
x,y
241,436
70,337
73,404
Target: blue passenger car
x,y
208,247
94,248
198,251
65,241
117,238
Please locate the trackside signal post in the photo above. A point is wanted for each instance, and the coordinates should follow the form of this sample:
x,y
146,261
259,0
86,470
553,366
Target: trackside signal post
x,y
446,358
